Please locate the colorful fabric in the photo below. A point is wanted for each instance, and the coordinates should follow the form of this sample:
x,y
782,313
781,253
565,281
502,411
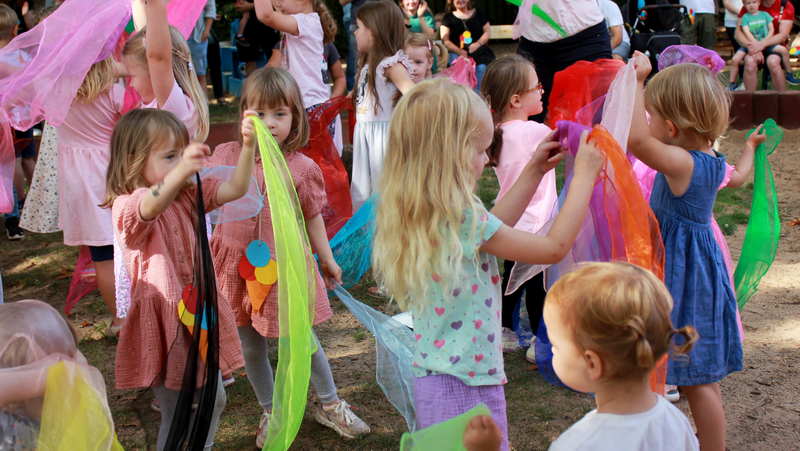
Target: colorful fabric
x,y
458,332
40,214
450,432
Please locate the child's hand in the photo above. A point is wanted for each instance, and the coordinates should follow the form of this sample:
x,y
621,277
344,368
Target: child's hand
x,y
757,137
330,272
482,434
642,65
193,157
548,154
589,160
249,130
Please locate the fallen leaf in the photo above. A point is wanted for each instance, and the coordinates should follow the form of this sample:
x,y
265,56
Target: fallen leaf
x,y
44,245
793,223
65,274
532,367
85,324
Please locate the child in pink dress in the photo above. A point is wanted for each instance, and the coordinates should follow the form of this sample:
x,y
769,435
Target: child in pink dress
x,y
274,95
512,86
83,158
154,211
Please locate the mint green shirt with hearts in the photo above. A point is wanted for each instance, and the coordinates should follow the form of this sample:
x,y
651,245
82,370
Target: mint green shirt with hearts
x,y
459,331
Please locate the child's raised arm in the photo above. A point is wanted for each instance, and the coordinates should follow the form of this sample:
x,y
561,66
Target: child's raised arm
x,y
161,194
275,19
674,162
158,48
398,74
745,163
511,244
237,186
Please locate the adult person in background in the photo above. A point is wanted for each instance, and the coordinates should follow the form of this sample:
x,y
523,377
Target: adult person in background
x,y
350,71
620,42
700,28
466,31
257,34
586,40
732,8
757,52
215,68
198,42
418,18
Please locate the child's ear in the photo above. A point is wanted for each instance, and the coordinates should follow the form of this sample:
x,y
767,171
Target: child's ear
x,y
671,129
15,31
516,101
594,365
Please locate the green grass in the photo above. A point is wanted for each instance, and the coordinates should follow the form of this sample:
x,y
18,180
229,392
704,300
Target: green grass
x,y
732,208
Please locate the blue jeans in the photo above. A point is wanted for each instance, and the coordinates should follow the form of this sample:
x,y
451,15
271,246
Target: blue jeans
x,y
479,70
350,72
14,213
199,51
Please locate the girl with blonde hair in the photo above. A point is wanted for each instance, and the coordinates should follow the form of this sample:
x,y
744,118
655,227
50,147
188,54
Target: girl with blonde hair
x,y
154,209
435,243
689,110
83,156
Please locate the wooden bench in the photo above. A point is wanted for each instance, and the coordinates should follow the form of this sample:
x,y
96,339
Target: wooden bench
x,y
501,32
724,44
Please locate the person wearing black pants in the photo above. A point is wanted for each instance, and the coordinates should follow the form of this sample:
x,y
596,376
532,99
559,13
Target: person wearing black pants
x,y
587,40
534,302
215,68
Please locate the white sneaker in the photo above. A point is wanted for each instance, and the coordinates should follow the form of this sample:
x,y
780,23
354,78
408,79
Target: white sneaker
x,y
530,354
341,419
263,429
671,393
228,382
510,340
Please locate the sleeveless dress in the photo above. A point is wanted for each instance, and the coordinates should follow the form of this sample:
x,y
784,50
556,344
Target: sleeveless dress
x,y
696,274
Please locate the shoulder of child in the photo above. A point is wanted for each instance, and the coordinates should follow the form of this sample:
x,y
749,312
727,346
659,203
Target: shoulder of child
x,y
224,155
486,226
391,61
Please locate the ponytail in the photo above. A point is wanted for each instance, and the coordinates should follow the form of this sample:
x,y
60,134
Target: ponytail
x,y
326,19
689,335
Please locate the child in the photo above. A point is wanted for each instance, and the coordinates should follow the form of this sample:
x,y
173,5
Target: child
x,y
240,30
275,96
689,110
609,323
163,75
757,26
307,26
83,157
383,68
435,244
420,50
514,93
154,211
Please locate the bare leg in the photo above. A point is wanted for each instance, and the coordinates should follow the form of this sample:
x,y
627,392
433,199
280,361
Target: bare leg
x,y
29,165
778,77
105,284
737,59
250,67
784,54
750,75
203,84
705,402
19,179
243,23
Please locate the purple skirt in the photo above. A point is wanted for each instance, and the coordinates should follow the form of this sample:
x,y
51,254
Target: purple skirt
x,y
442,397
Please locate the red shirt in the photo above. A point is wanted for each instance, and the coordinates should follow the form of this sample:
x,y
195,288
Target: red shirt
x,y
774,11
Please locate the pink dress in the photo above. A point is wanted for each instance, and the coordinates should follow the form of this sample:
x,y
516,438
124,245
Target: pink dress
x,y
723,245
83,157
230,240
520,139
179,104
158,257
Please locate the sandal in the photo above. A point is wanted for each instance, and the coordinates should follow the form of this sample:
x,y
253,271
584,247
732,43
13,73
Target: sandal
x,y
113,331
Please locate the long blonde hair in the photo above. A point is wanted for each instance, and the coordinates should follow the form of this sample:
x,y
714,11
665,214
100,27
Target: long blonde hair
x,y
134,136
273,87
622,312
425,188
181,61
692,98
99,79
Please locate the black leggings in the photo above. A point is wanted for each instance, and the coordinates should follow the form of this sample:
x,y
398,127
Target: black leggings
x,y
534,297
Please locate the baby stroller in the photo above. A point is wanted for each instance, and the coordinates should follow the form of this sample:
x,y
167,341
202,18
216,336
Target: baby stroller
x,y
653,25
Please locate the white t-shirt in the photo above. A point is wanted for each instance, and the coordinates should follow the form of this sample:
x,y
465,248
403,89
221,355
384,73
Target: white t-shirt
x,y
662,428
732,18
302,56
573,16
613,17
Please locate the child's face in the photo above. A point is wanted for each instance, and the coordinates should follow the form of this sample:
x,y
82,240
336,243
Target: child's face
x,y
420,61
289,6
482,142
752,6
161,160
532,99
363,37
569,361
140,80
277,120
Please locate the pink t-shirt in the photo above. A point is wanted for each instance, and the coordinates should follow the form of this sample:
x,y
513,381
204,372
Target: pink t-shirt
x,y
302,56
180,105
520,139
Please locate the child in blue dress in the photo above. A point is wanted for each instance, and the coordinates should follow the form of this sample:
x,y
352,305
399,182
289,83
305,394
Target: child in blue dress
x,y
689,110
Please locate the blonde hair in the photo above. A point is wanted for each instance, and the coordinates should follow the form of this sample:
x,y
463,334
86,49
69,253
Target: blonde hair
x,y
326,19
181,62
99,79
504,77
419,40
622,312
692,98
384,19
273,87
432,133
134,136
8,21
